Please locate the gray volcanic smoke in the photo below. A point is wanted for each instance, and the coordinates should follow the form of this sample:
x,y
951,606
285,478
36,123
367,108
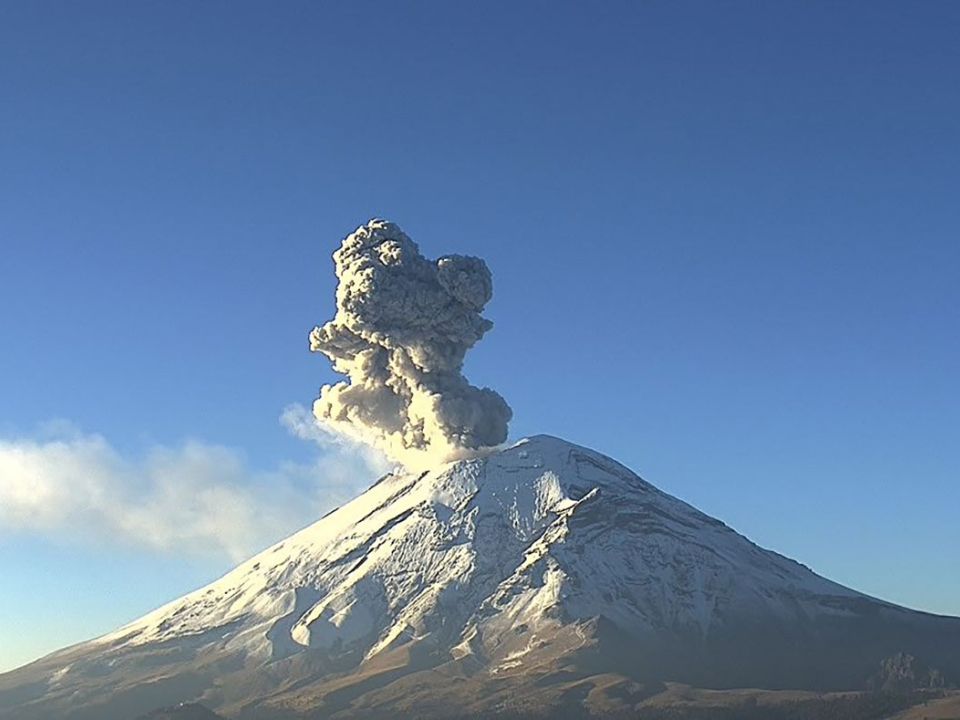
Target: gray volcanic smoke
x,y
403,326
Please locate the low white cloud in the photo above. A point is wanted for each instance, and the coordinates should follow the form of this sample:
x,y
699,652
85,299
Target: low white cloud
x,y
192,498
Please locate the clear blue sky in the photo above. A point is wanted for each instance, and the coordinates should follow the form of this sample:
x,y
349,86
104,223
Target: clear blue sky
x,y
725,240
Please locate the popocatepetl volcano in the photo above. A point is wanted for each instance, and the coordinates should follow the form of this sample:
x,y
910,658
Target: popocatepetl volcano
x,y
541,574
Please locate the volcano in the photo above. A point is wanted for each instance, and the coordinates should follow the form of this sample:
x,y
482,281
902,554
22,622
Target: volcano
x,y
538,576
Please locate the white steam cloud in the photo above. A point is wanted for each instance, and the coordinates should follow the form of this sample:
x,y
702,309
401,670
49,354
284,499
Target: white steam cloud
x,y
402,328
193,498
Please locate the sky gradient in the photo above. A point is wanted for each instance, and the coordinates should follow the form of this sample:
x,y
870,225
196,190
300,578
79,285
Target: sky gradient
x,y
724,240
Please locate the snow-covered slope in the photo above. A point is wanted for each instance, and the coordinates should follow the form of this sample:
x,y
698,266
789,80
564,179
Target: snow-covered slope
x,y
538,557
539,534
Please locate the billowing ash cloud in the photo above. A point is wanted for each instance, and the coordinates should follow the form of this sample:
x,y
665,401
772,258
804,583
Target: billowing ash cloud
x,y
402,328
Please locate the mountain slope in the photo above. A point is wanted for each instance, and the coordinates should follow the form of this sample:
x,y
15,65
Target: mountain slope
x,y
526,572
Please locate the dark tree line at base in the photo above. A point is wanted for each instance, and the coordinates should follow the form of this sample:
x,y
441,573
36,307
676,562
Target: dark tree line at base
x,y
860,706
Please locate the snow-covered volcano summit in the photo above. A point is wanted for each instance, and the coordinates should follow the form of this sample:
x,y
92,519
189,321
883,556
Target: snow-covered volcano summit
x,y
536,536
540,559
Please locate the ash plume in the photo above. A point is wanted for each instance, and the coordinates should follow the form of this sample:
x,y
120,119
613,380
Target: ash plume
x,y
402,328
